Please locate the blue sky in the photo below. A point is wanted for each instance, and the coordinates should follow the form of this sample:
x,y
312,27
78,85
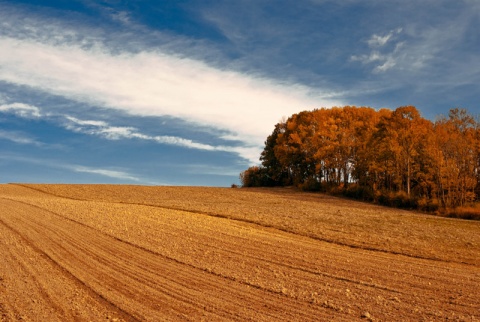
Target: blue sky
x,y
186,92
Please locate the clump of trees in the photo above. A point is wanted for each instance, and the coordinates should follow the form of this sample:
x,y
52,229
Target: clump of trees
x,y
396,158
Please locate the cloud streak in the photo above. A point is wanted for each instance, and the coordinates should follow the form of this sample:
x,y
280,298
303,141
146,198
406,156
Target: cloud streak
x,y
18,137
105,130
153,83
115,174
22,110
380,41
383,58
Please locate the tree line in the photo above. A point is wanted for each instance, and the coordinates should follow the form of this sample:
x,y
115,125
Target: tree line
x,y
397,158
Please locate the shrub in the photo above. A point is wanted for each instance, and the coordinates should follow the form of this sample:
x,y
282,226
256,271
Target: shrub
x,y
358,192
404,201
472,213
385,198
398,199
311,184
254,177
428,205
336,190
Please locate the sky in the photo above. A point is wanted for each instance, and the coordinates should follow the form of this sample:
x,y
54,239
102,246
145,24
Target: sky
x,y
186,92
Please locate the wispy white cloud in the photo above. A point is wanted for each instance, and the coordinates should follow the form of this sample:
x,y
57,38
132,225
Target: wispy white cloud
x,y
100,128
93,123
388,63
382,57
105,130
22,110
372,57
151,82
427,48
121,16
18,137
110,172
122,175
110,132
379,41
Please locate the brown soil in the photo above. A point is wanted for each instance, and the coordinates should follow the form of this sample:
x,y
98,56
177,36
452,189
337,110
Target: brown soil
x,y
106,252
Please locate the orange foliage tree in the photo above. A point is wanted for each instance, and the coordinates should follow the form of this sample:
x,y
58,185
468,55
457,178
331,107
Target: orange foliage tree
x,y
395,157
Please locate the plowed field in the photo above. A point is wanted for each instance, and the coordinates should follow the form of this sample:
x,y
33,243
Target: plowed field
x,y
129,253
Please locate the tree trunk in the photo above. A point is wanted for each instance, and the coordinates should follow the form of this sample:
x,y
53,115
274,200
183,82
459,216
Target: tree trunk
x,y
408,177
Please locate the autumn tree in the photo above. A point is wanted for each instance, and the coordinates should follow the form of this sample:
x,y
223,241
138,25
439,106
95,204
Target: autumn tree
x,y
457,158
389,153
366,170
295,149
399,143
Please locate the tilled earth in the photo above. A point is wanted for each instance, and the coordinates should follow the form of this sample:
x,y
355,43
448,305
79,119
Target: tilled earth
x,y
115,253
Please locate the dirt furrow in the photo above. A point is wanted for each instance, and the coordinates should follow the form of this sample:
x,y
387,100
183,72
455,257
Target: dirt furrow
x,y
103,258
166,299
34,288
158,263
301,272
282,203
